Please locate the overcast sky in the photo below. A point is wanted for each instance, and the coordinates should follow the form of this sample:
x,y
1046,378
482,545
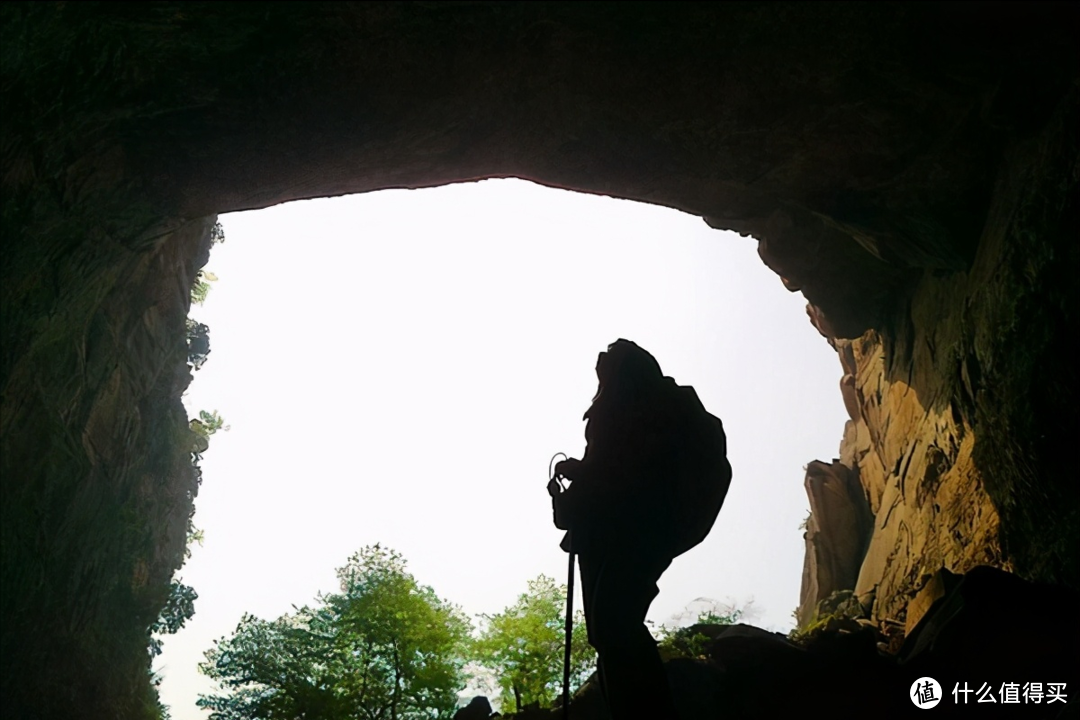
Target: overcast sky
x,y
399,367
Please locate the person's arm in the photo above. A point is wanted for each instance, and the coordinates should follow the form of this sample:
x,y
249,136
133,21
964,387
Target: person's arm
x,y
573,504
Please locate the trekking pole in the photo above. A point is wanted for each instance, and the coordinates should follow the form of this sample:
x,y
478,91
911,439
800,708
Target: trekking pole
x,y
569,604
569,635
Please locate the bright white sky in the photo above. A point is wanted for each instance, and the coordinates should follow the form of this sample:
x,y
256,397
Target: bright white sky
x,y
399,367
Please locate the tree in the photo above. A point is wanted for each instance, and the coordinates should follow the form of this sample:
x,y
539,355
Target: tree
x,y
407,644
383,648
524,646
179,608
283,668
691,640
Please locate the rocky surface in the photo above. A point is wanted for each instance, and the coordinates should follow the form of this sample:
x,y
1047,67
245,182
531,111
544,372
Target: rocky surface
x,y
929,501
912,169
917,480
967,639
949,480
836,534
95,519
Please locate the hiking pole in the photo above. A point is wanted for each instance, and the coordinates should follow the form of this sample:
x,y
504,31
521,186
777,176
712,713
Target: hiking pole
x,y
569,602
569,634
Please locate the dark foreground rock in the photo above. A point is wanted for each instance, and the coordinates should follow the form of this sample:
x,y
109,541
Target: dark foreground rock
x,y
911,168
479,708
992,634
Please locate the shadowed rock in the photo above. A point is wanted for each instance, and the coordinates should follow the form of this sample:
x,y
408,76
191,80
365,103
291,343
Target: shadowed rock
x,y
910,168
971,635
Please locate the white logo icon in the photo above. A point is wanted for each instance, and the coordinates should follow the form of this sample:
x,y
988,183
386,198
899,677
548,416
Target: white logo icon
x,y
925,693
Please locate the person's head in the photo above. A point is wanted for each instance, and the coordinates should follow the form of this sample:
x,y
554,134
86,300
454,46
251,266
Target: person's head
x,y
626,373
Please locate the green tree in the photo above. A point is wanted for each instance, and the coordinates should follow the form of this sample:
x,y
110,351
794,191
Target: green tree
x,y
179,608
383,648
524,646
692,640
280,668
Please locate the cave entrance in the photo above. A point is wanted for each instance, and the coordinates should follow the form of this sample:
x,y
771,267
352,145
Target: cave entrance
x,y
398,367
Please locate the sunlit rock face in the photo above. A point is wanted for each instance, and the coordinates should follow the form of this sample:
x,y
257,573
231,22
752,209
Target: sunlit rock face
x,y
836,533
904,498
910,168
927,498
959,402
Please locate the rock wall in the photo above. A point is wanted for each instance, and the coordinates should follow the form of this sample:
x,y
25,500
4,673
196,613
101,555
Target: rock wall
x,y
98,480
921,503
928,499
836,533
911,168
946,477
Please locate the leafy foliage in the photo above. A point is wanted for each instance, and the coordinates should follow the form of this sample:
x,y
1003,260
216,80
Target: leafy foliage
x,y
208,423
204,426
179,608
524,646
839,611
198,341
217,234
384,647
201,287
690,641
278,668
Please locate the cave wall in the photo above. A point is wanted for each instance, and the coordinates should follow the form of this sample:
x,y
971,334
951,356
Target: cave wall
x,y
928,500
920,502
98,480
929,453
910,168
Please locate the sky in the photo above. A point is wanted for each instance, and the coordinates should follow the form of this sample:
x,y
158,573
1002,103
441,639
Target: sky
x,y
399,367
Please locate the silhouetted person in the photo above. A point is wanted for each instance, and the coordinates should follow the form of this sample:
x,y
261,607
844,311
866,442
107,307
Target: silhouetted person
x,y
649,487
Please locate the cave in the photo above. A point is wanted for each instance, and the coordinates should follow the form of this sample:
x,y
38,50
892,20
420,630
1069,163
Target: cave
x,y
911,169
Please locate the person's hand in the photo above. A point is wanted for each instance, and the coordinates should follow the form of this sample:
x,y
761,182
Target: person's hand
x,y
554,487
567,468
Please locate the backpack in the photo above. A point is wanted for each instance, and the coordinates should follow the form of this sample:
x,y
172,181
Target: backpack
x,y
698,476
666,477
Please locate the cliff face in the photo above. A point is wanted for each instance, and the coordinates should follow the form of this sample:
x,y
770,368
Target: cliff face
x,y
950,481
920,503
912,169
928,499
98,480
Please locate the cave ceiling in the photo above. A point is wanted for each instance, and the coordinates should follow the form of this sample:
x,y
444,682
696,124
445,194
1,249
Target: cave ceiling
x,y
911,168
